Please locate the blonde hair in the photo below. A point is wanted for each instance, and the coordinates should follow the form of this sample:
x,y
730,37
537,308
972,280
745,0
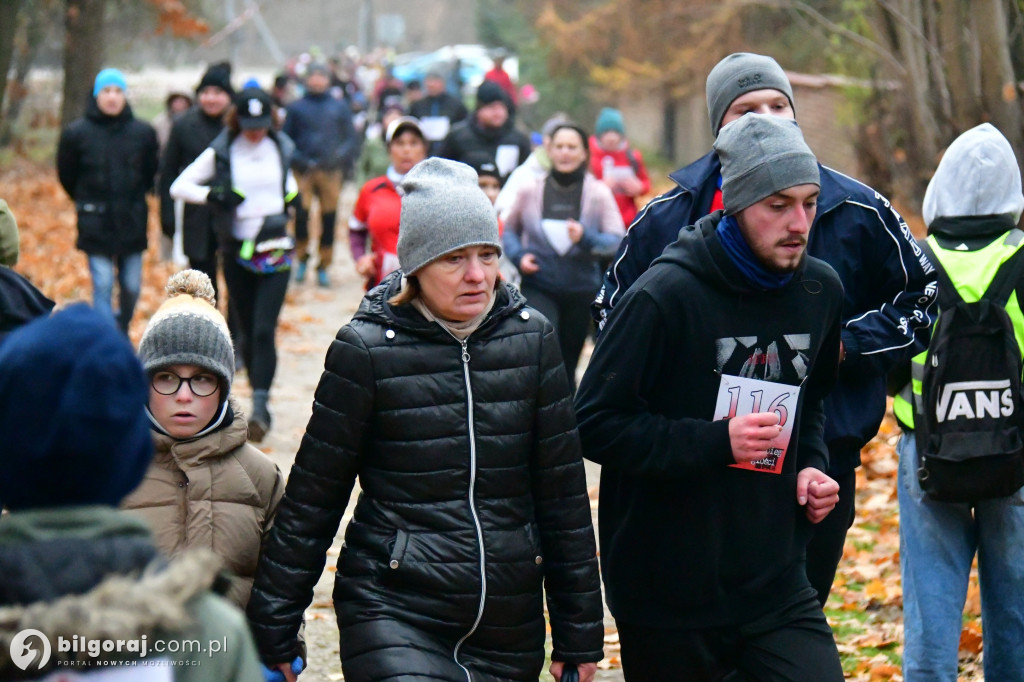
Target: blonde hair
x,y
412,290
409,292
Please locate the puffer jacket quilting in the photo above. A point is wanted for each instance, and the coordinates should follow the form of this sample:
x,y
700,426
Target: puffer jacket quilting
x,y
217,492
391,407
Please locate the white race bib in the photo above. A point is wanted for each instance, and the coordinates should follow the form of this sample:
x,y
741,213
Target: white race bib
x,y
738,396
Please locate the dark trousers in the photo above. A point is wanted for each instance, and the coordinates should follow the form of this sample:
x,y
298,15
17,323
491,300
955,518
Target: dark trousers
x,y
825,550
210,266
569,313
794,644
257,300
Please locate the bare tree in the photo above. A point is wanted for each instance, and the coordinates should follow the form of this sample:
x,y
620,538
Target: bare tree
x,y
83,53
8,28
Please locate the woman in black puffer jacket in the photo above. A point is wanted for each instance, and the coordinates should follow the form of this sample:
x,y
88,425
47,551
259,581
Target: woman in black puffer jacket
x,y
449,400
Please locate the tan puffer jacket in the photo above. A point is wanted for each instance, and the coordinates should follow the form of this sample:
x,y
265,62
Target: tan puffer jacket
x,y
217,492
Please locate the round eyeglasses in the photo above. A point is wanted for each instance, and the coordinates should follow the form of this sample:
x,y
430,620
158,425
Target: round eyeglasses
x,y
201,385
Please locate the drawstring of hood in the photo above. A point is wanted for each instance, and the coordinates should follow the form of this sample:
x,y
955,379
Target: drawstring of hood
x,y
743,257
221,419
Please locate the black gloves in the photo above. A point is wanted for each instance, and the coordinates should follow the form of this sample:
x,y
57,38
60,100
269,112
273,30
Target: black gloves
x,y
225,197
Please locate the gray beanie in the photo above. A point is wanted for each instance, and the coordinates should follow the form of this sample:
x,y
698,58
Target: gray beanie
x,y
189,330
740,73
762,154
443,209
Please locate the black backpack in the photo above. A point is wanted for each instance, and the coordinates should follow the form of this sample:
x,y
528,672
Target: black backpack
x,y
970,428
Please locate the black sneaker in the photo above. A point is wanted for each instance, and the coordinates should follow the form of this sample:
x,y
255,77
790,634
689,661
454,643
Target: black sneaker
x,y
259,426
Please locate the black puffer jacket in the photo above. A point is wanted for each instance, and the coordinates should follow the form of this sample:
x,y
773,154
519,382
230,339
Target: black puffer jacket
x,y
473,493
107,165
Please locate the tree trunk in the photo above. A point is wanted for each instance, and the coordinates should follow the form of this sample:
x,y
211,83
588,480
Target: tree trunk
x,y
998,84
668,124
83,53
33,31
8,27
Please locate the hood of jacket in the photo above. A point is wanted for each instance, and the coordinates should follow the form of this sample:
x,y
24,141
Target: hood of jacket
x,y
138,595
189,453
977,177
20,302
698,251
375,308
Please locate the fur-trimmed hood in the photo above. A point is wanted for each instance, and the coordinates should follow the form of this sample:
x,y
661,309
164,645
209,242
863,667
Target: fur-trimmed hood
x,y
149,602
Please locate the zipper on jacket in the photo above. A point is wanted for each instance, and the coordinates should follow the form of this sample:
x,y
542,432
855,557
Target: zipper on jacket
x,y
472,505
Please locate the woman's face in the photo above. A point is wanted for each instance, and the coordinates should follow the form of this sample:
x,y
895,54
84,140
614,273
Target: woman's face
x,y
254,135
459,285
183,414
568,150
406,151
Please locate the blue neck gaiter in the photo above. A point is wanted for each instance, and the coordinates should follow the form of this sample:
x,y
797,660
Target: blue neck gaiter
x,y
743,257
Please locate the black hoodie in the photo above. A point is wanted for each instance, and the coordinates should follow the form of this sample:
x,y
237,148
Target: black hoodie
x,y
686,540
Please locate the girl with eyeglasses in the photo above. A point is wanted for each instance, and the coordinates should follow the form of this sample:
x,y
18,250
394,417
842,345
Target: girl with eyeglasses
x,y
207,486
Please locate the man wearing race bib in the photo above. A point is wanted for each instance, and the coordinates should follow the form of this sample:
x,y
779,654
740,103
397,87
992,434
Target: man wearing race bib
x,y
703,404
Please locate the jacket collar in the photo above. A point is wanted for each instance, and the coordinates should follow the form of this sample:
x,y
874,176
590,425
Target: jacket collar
x,y
216,444
375,308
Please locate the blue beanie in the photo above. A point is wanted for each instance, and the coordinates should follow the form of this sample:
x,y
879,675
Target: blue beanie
x,y
609,119
73,425
109,77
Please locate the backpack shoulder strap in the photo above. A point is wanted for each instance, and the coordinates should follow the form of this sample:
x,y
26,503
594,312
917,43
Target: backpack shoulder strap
x,y
1009,274
948,296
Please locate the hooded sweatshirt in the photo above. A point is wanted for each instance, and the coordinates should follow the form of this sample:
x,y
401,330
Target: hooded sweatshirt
x,y
975,194
686,540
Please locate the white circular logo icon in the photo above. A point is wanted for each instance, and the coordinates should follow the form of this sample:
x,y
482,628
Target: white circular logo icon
x,y
24,654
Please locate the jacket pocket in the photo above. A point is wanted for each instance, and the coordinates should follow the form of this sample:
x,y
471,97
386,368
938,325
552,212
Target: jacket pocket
x,y
432,562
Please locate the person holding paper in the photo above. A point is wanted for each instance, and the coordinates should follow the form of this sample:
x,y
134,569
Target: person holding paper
x,y
439,110
558,229
889,283
703,404
614,162
491,128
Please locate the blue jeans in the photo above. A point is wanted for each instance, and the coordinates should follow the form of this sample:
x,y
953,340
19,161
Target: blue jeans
x,y
129,281
938,541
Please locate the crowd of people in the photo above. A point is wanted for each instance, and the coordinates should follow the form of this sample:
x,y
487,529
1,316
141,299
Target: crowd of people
x,y
750,322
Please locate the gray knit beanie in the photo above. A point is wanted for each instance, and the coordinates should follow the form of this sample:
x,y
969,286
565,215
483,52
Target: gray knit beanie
x,y
189,330
762,154
443,209
740,73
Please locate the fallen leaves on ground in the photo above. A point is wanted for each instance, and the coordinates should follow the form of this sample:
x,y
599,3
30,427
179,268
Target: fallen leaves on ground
x,y
865,607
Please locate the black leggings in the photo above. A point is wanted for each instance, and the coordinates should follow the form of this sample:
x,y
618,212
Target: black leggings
x,y
793,644
257,300
569,313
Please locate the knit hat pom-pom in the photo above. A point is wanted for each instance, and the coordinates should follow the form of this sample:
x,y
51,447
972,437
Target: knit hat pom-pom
x,y
195,283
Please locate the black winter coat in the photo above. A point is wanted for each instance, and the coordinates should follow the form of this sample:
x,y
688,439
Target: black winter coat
x,y
191,134
473,499
468,137
107,164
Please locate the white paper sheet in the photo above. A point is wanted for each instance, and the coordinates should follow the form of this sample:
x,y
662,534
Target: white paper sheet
x,y
435,127
557,233
506,158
